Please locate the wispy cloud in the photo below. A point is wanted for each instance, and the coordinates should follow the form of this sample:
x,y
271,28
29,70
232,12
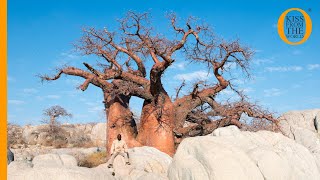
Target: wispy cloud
x,y
65,58
295,86
30,90
275,25
90,103
83,99
227,92
69,55
74,82
52,96
71,93
284,68
247,90
95,109
292,68
313,66
272,92
11,79
237,81
180,66
15,102
262,61
196,75
296,52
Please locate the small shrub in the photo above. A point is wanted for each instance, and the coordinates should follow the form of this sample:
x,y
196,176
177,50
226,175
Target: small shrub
x,y
56,138
93,160
256,124
59,143
14,135
80,140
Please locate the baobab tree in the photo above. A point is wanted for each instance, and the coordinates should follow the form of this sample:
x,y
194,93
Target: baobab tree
x,y
52,114
122,74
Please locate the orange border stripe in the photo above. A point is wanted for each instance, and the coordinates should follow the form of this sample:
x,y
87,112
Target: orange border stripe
x,y
3,89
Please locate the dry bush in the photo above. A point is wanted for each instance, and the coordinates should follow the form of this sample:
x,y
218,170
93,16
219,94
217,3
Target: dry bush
x,y
59,143
14,135
58,136
80,140
93,160
256,124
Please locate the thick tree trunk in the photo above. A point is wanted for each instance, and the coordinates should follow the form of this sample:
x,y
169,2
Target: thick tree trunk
x,y
120,120
156,125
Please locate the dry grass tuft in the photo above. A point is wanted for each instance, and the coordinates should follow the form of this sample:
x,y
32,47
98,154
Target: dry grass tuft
x,y
93,160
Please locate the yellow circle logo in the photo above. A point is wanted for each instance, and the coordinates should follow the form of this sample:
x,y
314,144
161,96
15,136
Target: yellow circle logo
x,y
293,26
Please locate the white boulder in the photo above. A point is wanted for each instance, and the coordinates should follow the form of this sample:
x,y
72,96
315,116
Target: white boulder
x,y
98,134
231,154
54,160
145,162
304,128
60,173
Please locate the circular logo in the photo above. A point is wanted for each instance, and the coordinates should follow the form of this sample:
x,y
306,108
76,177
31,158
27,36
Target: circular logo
x,y
294,29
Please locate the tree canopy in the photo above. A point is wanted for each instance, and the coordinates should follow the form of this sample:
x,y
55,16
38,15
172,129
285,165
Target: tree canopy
x,y
121,73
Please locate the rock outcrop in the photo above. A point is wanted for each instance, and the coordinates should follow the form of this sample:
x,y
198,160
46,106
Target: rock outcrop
x,y
304,128
68,135
54,160
227,153
146,163
98,134
19,170
231,154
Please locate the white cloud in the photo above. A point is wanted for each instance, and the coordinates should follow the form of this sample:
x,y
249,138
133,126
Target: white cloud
x,y
66,58
262,61
91,103
74,82
11,79
232,94
272,92
197,75
71,93
296,52
237,81
296,86
247,90
69,55
275,25
11,116
83,99
30,90
284,68
80,116
95,109
313,66
53,96
227,92
180,66
15,102
40,98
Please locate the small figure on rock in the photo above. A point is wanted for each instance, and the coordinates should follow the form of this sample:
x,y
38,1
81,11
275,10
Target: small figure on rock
x,y
119,147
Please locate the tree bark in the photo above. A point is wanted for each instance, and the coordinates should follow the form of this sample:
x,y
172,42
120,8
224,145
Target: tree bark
x,y
120,120
52,123
156,125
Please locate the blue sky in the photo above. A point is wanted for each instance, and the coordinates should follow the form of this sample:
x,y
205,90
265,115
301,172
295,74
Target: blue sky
x,y
41,34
